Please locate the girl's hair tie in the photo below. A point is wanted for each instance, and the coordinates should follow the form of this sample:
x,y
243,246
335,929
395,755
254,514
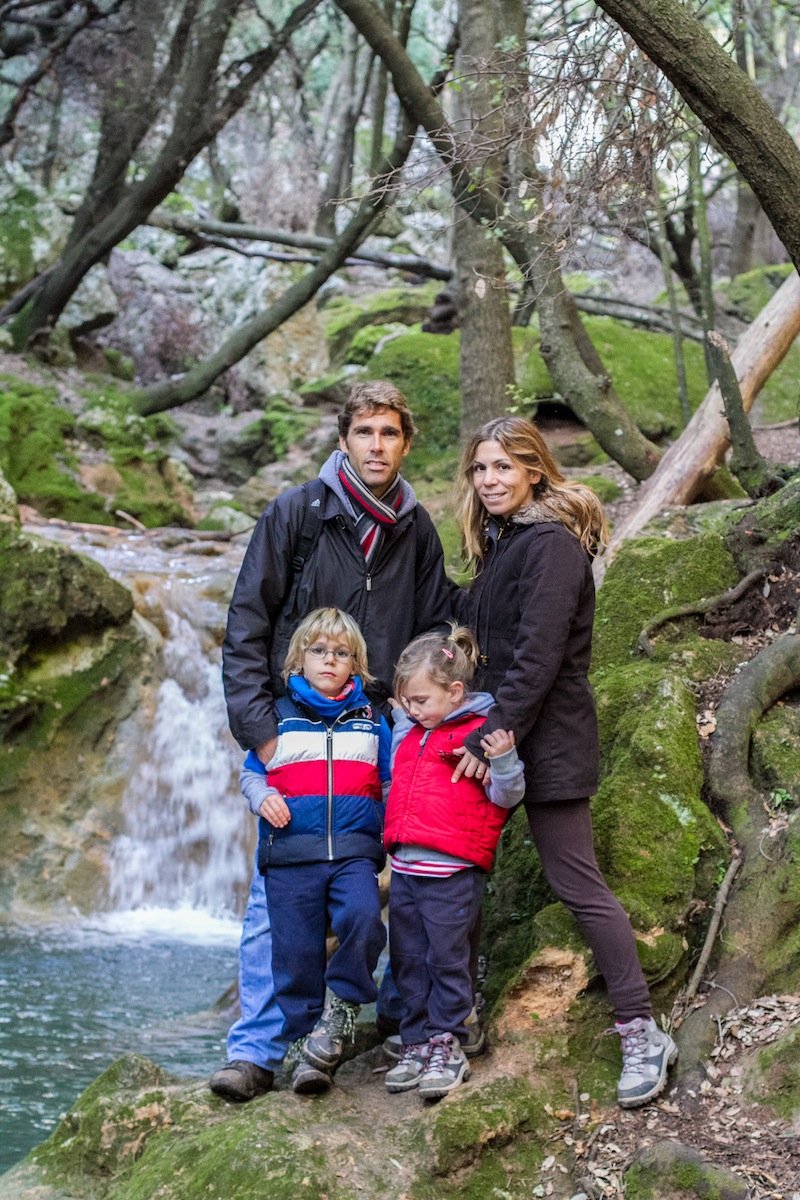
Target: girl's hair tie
x,y
449,653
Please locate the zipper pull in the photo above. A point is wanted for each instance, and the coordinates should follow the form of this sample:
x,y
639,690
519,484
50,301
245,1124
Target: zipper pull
x,y
369,582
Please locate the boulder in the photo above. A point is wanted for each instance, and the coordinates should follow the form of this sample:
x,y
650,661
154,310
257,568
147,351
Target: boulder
x,y
93,305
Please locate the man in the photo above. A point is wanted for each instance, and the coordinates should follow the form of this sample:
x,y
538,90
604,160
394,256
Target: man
x,y
378,557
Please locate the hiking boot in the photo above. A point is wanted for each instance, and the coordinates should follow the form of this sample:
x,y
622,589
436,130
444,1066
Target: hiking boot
x,y
473,1044
446,1068
308,1080
407,1073
240,1081
324,1046
647,1053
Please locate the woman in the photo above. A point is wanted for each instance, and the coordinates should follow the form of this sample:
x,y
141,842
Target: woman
x,y
530,535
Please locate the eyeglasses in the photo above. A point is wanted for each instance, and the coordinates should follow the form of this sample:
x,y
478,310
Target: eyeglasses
x,y
340,654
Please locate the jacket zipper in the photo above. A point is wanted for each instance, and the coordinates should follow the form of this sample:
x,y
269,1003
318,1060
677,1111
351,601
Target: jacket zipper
x,y
329,752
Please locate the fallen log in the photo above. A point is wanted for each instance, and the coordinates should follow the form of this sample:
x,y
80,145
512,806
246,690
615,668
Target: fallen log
x,y
693,458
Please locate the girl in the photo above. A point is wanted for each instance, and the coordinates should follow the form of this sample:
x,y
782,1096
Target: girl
x,y
319,840
530,535
441,838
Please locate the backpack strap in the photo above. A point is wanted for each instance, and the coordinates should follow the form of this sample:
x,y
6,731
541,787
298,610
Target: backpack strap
x,y
307,541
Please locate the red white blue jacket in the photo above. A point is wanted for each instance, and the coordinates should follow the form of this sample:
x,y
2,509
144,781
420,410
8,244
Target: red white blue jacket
x,y
425,809
330,765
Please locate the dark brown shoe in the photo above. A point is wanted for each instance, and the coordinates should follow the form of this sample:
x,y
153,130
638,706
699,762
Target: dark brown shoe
x,y
240,1081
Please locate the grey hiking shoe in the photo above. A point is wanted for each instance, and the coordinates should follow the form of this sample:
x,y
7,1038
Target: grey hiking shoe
x,y
647,1054
446,1068
308,1080
473,1045
241,1081
324,1046
407,1073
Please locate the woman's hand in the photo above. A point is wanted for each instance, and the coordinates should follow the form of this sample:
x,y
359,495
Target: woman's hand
x,y
499,742
275,810
470,766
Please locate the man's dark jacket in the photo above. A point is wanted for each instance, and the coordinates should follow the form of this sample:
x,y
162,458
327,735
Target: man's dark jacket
x,y
405,594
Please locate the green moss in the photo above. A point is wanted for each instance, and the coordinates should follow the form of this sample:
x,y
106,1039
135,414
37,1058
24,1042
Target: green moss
x,y
775,1081
19,227
424,366
649,575
642,367
489,1115
344,316
747,294
605,489
109,420
775,751
365,340
119,365
657,842
149,493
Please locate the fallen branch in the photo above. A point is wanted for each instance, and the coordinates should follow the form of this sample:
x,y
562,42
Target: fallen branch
x,y
713,928
696,608
693,458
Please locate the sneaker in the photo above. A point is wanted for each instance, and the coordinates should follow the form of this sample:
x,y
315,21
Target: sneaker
x,y
647,1054
407,1073
473,1045
241,1081
446,1068
309,1080
324,1046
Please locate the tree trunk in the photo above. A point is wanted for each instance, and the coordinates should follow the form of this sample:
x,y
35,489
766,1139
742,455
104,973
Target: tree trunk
x,y
691,460
486,358
722,96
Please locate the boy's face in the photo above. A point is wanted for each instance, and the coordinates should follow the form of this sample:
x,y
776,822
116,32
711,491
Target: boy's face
x,y
327,665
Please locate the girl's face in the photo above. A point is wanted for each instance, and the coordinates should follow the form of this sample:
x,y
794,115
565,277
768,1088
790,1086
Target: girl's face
x,y
327,665
502,483
429,702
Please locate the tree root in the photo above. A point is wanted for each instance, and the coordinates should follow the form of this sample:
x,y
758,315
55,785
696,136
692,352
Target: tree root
x,y
716,917
696,608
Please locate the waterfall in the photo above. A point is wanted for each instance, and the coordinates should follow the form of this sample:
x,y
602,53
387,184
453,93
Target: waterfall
x,y
185,843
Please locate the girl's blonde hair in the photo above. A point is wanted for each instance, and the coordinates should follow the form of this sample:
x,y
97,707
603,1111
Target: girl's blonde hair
x,y
327,623
574,504
443,658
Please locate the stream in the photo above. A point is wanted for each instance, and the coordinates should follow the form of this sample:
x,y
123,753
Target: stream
x,y
145,974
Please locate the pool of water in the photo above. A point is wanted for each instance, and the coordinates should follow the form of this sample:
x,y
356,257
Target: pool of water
x,y
75,997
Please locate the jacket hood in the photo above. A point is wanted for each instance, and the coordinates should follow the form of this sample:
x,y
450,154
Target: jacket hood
x,y
329,474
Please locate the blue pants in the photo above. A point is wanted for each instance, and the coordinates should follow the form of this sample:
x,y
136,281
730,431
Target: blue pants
x,y
303,900
431,921
257,1036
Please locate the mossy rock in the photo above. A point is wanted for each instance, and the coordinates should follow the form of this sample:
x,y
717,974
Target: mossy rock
x,y
51,593
642,367
745,295
657,842
647,576
119,364
9,511
366,340
20,227
775,752
772,1076
605,489
687,521
345,316
671,1171
491,1115
333,388
424,366
228,518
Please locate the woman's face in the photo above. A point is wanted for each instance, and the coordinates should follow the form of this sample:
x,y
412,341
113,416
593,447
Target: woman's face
x,y
503,484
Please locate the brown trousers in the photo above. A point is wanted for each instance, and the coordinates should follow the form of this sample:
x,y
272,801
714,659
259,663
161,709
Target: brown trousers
x,y
562,833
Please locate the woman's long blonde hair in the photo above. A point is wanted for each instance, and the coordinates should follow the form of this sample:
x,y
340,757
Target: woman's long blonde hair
x,y
574,504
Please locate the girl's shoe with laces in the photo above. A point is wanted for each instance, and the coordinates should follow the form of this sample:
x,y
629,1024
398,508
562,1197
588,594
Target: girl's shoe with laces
x,y
408,1072
647,1054
446,1068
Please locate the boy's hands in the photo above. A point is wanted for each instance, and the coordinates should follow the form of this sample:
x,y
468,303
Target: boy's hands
x,y
497,743
275,810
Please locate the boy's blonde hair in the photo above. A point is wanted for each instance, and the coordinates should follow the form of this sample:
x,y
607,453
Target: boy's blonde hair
x,y
327,623
444,657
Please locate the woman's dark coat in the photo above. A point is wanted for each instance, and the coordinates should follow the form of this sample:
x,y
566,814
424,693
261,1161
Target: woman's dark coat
x,y
532,608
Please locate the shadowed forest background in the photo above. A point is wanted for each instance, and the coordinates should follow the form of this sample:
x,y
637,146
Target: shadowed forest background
x,y
217,215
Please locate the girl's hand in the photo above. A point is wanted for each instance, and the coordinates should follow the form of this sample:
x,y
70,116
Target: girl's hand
x,y
497,743
469,766
275,810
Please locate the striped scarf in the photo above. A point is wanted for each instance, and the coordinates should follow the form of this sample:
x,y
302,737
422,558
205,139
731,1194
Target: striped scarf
x,y
372,514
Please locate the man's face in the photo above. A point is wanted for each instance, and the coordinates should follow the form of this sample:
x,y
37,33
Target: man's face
x,y
376,447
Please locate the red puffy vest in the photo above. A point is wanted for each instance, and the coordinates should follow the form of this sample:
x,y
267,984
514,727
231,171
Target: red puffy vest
x,y
425,809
